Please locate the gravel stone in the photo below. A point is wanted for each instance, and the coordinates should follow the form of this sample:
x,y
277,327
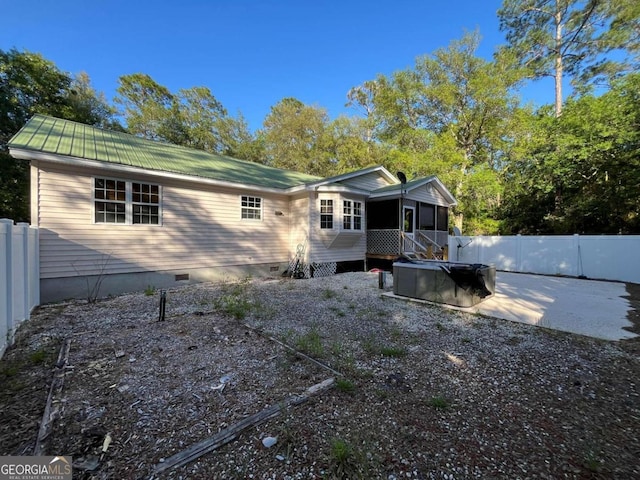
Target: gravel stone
x,y
424,392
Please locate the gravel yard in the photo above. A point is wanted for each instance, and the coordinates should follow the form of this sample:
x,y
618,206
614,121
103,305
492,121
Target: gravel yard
x,y
422,392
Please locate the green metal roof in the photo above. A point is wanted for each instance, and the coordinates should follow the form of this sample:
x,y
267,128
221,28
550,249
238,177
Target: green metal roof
x,y
62,137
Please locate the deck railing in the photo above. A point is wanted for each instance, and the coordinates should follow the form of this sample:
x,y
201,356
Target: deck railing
x,y
389,241
383,242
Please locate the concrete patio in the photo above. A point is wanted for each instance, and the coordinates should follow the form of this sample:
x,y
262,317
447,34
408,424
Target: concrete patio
x,y
585,307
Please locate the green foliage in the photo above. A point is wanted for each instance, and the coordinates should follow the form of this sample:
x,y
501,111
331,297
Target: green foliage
x,y
39,356
393,351
30,84
448,116
150,290
192,117
235,300
310,343
580,172
233,306
293,135
439,403
572,37
345,385
329,293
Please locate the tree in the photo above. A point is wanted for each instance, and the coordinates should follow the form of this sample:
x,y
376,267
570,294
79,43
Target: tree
x,y
349,145
581,173
147,105
448,116
30,84
85,105
293,134
572,37
192,118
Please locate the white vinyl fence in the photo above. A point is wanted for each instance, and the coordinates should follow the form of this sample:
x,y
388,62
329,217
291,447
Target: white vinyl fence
x,y
603,257
19,277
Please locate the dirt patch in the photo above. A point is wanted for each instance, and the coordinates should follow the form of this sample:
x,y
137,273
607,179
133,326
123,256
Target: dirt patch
x,y
425,392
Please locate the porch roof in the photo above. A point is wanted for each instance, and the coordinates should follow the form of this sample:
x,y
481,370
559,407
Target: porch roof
x,y
395,190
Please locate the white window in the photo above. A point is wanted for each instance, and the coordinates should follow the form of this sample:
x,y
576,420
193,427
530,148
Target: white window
x,y
351,215
326,213
124,202
251,208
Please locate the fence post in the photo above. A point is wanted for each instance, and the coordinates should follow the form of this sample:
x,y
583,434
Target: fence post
x,y
518,253
6,278
577,255
34,267
26,272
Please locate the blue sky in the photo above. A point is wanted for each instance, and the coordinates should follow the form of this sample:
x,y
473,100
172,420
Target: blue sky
x,y
250,53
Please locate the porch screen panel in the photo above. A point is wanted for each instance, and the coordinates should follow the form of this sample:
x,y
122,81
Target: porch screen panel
x,y
443,219
427,217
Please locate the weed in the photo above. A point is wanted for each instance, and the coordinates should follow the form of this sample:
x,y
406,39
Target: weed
x,y
393,352
234,306
345,385
513,341
235,299
370,345
328,294
337,311
150,290
38,356
336,349
382,393
466,340
439,403
440,327
346,462
238,288
310,343
263,312
396,332
9,370
592,463
341,451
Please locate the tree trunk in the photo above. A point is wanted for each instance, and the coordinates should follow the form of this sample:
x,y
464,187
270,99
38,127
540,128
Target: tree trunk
x,y
558,66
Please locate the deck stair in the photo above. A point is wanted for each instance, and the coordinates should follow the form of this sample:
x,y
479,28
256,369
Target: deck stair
x,y
417,250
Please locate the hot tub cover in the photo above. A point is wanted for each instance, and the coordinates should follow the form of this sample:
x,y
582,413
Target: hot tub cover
x,y
468,277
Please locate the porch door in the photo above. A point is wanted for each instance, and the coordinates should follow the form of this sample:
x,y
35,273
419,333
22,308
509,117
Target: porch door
x,y
408,226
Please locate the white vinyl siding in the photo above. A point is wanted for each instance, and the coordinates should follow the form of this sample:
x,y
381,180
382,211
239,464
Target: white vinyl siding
x,y
370,181
200,228
346,245
428,194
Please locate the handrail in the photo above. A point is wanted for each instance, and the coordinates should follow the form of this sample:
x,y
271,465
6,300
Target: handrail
x,y
414,242
432,242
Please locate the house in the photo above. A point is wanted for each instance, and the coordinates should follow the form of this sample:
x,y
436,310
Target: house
x,y
121,213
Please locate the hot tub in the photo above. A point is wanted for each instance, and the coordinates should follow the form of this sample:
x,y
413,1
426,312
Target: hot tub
x,y
453,283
